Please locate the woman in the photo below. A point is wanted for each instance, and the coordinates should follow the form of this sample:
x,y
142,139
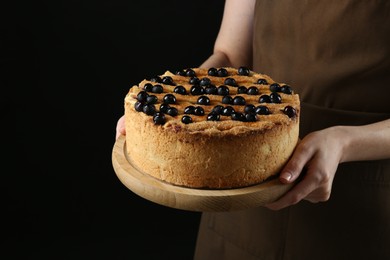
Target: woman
x,y
336,55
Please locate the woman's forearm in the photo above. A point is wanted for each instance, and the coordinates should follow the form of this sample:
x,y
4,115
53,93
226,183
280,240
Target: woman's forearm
x,y
367,142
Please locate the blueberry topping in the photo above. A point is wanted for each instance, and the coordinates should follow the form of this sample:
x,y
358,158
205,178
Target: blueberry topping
x,y
149,109
186,119
210,89
199,111
275,97
249,109
212,72
262,110
159,118
194,81
203,100
142,96
217,109
172,111
169,99
275,87
223,90
239,100
156,79
227,100
222,72
228,111
253,91
230,82
262,81
213,117
180,90
243,71
189,110
148,87
290,111
151,99
167,80
157,89
164,108
238,116
205,82
286,89
250,117
196,90
264,99
190,73
180,72
138,106
242,90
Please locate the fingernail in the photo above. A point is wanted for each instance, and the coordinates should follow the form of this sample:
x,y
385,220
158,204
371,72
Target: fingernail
x,y
286,176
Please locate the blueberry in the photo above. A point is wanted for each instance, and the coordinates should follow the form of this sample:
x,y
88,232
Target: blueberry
x,y
180,72
262,110
205,82
142,96
223,90
253,91
172,111
250,117
222,72
180,90
242,90
210,89
194,81
286,89
212,72
230,82
275,87
196,90
157,89
149,109
275,98
199,111
167,80
169,99
159,118
213,117
227,100
203,100
228,111
290,111
238,116
148,87
264,99
249,109
189,110
190,73
138,106
244,71
186,119
239,100
164,108
217,109
151,99
156,79
262,81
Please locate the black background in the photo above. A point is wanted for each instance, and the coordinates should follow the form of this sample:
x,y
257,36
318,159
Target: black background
x,y
65,69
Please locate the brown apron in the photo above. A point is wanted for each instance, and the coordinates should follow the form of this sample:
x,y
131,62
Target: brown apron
x,y
336,55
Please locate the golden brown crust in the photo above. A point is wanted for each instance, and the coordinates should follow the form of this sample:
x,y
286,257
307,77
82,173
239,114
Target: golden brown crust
x,y
212,154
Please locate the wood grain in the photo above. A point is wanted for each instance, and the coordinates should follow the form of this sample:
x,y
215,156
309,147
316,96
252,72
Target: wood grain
x,y
189,199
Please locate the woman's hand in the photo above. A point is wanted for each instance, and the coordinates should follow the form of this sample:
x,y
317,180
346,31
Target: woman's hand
x,y
120,127
318,156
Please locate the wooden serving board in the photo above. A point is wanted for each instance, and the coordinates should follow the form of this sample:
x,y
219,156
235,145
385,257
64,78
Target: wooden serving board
x,y
189,199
